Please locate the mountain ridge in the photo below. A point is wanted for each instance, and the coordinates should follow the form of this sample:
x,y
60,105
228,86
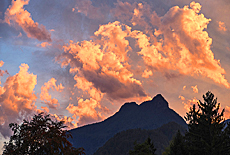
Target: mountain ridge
x,y
148,115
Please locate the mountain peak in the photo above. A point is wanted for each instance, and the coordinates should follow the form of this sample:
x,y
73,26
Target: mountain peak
x,y
158,96
148,115
157,102
129,106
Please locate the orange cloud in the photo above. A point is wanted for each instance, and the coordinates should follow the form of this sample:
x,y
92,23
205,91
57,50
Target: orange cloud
x,y
181,97
1,63
16,14
195,89
102,64
46,97
147,73
2,72
180,43
45,44
17,101
227,112
189,103
68,121
86,111
184,87
222,26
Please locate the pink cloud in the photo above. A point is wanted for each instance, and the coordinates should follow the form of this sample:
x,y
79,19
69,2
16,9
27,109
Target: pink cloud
x,y
46,97
195,89
17,15
17,100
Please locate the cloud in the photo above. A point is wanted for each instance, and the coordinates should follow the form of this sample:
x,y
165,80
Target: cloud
x,y
44,44
188,103
46,97
68,121
227,112
184,87
1,63
181,97
179,43
87,111
85,7
2,72
16,15
17,101
222,26
103,63
195,89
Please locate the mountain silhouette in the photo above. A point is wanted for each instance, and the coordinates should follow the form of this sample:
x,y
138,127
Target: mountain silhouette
x,y
148,115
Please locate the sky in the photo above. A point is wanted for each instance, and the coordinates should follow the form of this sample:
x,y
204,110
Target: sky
x,y
79,61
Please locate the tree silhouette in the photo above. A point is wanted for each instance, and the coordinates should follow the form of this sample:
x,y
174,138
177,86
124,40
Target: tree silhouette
x,y
146,148
177,146
40,136
205,129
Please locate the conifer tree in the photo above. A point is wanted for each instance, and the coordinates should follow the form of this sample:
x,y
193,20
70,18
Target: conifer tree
x,y
177,145
146,148
205,129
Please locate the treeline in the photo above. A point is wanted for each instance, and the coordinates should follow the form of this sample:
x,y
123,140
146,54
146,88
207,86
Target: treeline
x,y
206,135
124,141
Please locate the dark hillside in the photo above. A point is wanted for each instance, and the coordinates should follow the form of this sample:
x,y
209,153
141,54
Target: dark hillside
x,y
123,141
148,115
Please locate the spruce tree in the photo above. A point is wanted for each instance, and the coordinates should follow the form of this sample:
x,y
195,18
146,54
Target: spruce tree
x,y
205,129
146,148
177,145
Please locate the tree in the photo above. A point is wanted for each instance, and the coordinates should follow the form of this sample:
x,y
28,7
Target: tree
x,y
205,129
40,136
146,148
177,146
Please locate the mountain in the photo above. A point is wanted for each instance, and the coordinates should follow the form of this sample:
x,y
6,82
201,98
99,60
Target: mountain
x,y
226,123
123,141
148,115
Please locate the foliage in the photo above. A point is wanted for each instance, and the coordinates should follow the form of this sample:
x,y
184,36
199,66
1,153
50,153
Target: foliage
x,y
40,136
205,129
207,133
177,146
146,148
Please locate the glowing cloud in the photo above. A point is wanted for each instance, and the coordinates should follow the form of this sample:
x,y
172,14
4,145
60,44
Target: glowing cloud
x,y
86,111
1,63
2,72
227,112
222,26
18,99
180,43
45,44
46,97
103,63
16,14
195,89
181,97
184,87
68,121
189,103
